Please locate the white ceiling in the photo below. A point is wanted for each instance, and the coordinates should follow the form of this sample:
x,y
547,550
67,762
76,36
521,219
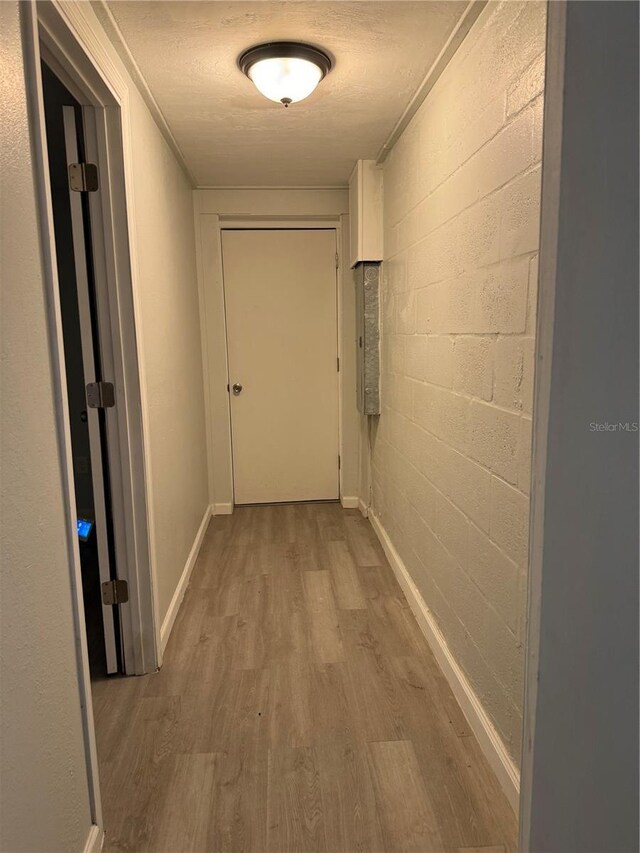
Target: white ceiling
x,y
229,134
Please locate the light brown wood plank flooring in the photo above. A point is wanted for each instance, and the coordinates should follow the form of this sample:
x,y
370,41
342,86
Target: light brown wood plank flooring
x,y
299,708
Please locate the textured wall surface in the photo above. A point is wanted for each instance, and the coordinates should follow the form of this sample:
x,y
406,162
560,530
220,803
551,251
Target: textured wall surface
x,y
451,457
44,802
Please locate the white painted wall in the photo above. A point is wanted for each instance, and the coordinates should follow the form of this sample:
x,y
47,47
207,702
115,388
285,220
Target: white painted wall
x,y
580,762
169,328
44,801
323,207
451,453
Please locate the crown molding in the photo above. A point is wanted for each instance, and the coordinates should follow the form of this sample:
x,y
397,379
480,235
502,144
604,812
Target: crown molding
x,y
458,35
117,39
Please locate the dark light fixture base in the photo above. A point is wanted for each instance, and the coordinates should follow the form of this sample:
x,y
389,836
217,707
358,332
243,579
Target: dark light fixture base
x,y
285,50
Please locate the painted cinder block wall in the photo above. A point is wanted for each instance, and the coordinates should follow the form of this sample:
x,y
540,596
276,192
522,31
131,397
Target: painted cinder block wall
x,y
451,452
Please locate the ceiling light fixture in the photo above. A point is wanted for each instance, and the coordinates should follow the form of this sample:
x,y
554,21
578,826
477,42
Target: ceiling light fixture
x,y
285,71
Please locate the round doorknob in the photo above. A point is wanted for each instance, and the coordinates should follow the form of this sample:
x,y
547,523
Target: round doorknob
x,y
236,388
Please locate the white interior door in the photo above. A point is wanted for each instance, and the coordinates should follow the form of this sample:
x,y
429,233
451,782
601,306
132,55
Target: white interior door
x,y
90,375
282,334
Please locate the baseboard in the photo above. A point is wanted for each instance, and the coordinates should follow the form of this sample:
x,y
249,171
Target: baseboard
x,y
95,840
482,727
364,509
183,583
221,509
349,502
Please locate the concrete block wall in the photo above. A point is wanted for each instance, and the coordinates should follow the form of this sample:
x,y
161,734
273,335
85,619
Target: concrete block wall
x,y
452,449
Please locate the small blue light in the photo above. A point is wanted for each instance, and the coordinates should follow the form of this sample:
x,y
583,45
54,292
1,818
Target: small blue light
x,y
84,529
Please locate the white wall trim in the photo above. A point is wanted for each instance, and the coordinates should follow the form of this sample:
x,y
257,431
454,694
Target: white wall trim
x,y
364,509
545,314
302,187
95,840
349,501
222,509
183,583
482,727
321,222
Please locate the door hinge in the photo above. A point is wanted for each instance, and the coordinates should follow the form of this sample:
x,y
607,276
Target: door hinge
x,y
100,395
83,177
339,463
115,592
337,261
338,364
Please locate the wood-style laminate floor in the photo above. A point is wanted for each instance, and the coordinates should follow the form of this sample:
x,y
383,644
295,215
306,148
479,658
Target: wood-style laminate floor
x,y
299,708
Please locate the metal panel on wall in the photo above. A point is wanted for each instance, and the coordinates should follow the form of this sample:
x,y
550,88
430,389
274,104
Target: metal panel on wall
x,y
367,282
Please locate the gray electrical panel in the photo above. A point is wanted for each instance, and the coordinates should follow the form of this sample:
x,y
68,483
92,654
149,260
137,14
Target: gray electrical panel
x,y
366,275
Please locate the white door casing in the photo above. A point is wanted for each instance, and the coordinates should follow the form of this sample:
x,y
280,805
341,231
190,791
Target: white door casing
x,y
282,336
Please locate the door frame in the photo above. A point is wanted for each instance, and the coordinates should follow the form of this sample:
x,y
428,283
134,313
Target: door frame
x,y
90,336
62,36
220,448
247,224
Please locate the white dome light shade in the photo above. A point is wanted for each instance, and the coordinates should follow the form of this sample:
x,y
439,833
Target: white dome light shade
x,y
285,80
285,72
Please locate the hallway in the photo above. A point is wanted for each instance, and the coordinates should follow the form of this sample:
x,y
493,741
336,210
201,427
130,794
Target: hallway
x,y
299,708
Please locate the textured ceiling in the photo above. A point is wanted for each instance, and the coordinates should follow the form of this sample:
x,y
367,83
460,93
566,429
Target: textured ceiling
x,y
229,134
